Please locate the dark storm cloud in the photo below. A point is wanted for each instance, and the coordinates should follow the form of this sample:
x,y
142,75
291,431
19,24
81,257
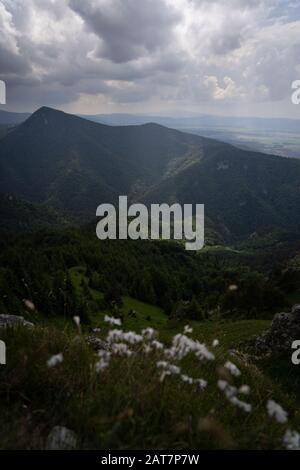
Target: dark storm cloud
x,y
127,29
182,52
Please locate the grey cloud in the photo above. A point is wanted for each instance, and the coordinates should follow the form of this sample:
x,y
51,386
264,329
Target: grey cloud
x,y
127,29
36,94
226,43
130,51
12,63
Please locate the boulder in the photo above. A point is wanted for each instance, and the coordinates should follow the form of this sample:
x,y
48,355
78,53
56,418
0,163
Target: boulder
x,y
61,438
285,328
9,321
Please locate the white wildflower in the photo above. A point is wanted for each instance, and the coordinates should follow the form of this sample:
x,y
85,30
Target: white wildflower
x,y
162,364
222,384
215,343
132,337
104,358
29,304
96,330
187,379
55,360
101,365
183,345
112,320
163,375
121,349
241,404
201,383
157,345
232,369
276,411
114,336
230,392
174,369
291,440
203,353
187,329
169,367
244,390
119,335
149,333
76,319
103,354
232,287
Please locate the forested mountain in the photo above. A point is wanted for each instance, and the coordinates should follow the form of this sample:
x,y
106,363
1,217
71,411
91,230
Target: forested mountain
x,y
243,191
22,216
72,165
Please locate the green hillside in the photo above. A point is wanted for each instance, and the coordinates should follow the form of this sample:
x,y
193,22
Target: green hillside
x,y
72,165
18,215
243,191
175,387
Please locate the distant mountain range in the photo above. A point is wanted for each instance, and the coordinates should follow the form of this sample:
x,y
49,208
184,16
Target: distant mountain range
x,y
71,165
8,118
203,121
274,136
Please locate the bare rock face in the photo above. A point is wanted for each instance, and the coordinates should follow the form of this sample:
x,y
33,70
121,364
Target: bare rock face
x,y
10,321
61,438
285,328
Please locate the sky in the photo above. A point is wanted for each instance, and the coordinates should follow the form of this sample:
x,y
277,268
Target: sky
x,y
165,57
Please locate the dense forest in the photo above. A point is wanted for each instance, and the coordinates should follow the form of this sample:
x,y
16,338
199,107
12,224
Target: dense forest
x,y
245,282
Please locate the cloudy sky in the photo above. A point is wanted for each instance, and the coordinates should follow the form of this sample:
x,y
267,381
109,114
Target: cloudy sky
x,y
151,56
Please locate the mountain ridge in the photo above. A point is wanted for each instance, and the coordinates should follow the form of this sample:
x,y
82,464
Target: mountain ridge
x,y
73,165
177,121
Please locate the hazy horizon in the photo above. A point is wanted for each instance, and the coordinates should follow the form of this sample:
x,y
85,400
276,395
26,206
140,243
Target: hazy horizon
x,y
154,114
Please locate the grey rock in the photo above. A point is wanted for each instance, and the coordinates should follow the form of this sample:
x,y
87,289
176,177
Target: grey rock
x,y
296,309
61,438
9,321
285,328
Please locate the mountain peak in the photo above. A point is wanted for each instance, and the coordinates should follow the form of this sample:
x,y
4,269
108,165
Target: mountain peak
x,y
46,111
46,117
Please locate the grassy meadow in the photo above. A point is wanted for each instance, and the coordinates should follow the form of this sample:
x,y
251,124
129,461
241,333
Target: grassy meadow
x,y
130,403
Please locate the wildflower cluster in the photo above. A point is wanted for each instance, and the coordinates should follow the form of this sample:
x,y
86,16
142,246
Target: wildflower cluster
x,y
276,411
103,362
119,343
112,321
182,345
230,393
